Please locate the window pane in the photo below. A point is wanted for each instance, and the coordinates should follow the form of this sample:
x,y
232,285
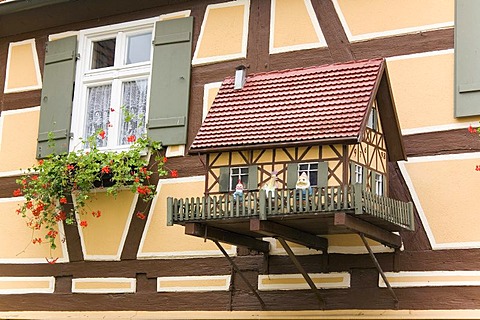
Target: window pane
x,y
103,54
98,111
138,48
134,104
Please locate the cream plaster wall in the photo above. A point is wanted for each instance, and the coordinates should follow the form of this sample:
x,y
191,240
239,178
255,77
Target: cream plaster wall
x,y
294,26
444,191
23,71
16,238
365,19
160,240
223,35
103,238
18,138
422,84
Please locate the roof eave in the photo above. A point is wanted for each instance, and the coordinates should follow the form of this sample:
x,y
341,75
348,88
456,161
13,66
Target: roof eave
x,y
273,145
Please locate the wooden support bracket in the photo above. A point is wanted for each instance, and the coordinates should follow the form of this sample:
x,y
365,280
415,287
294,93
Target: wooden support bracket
x,y
273,229
371,231
216,234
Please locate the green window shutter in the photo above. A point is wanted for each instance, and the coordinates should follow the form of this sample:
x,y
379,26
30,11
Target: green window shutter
x,y
170,88
352,173
224,180
322,178
57,96
364,177
373,185
292,175
252,177
467,58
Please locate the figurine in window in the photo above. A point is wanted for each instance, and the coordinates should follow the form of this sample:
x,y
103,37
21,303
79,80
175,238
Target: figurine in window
x,y
271,185
238,190
303,183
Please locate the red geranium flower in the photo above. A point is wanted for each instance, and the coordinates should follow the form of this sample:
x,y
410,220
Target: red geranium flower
x,y
96,214
83,223
70,167
174,173
53,261
102,134
165,159
61,216
17,193
63,200
131,138
106,169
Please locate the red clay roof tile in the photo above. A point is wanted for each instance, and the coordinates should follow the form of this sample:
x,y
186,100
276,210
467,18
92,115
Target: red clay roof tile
x,y
315,104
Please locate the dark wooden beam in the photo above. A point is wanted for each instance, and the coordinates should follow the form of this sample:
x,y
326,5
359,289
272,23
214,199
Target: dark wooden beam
x,y
216,234
273,229
369,230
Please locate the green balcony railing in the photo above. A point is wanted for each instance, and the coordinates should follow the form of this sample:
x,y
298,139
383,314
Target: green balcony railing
x,y
262,205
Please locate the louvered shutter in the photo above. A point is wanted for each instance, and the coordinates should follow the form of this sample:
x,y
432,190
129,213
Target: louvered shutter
x,y
170,88
292,175
252,177
322,175
57,96
224,179
467,58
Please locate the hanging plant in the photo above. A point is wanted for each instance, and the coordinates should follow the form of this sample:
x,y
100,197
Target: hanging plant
x,y
49,186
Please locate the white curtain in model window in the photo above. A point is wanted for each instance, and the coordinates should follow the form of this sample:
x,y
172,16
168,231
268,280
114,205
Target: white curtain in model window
x,y
98,112
134,104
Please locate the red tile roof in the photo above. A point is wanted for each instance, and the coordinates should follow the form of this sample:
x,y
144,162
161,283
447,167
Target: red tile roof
x,y
316,104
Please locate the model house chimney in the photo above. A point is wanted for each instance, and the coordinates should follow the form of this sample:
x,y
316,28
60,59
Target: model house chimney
x,y
240,77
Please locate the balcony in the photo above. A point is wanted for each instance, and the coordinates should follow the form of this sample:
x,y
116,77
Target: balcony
x,y
331,210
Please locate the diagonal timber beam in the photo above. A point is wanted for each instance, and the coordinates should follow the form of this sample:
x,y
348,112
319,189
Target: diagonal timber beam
x,y
273,229
216,234
371,231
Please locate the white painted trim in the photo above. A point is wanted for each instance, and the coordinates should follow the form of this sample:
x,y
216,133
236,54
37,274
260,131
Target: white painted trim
x,y
241,315
388,33
243,53
417,202
225,287
391,276
206,89
420,55
180,153
175,254
116,257
300,286
2,119
131,281
184,13
50,289
36,66
438,128
316,26
62,35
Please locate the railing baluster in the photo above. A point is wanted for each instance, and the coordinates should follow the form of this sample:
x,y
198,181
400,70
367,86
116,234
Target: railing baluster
x,y
187,209
181,210
262,205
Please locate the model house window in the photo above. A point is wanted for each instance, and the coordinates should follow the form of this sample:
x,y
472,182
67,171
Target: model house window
x,y
379,184
358,174
112,83
311,169
372,122
238,173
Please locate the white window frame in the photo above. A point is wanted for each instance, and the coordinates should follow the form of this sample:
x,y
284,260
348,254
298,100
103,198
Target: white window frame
x,y
243,172
358,174
309,171
379,184
115,75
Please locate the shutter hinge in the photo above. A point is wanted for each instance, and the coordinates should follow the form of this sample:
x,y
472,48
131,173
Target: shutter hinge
x,y
77,56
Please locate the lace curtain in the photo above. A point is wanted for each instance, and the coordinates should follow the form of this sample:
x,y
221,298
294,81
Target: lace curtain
x,y
98,111
134,105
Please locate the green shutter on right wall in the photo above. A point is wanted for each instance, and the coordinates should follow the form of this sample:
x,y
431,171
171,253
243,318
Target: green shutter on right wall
x,y
292,175
170,87
57,97
467,58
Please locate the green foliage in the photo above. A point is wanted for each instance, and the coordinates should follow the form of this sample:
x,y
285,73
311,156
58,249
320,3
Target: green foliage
x,y
50,185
